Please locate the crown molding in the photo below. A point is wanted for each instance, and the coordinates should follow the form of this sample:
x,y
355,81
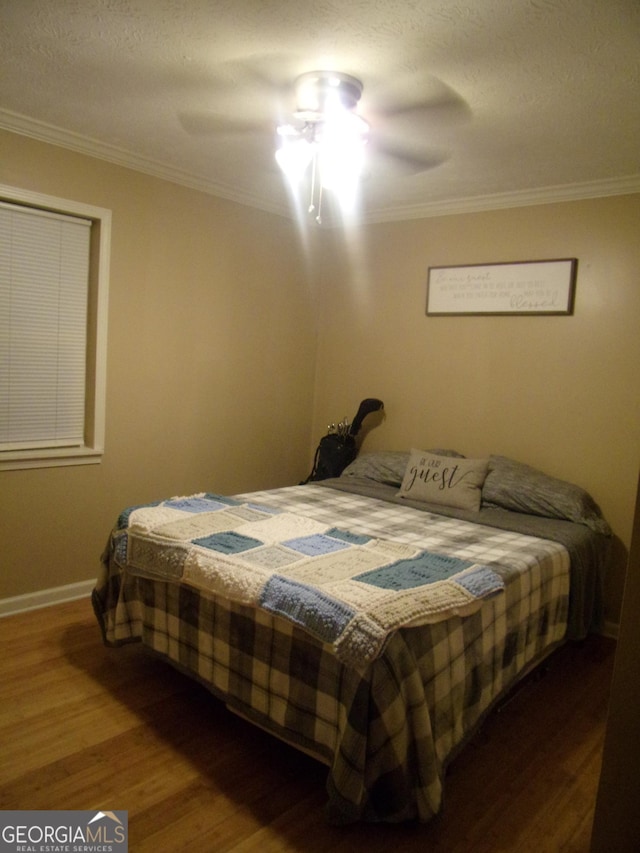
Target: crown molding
x,y
43,132
626,185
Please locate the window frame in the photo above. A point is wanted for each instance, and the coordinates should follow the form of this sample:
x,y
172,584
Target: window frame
x,y
92,450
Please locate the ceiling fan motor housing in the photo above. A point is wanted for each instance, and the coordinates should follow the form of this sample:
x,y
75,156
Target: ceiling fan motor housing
x,y
317,90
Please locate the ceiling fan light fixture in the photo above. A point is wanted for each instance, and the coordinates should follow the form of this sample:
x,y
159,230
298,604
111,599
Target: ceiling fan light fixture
x,y
294,153
330,137
341,150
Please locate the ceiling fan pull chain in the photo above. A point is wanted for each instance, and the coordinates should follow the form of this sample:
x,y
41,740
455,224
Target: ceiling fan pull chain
x,y
316,190
319,215
314,166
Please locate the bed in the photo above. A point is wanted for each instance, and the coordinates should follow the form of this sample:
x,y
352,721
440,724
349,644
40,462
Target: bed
x,y
371,620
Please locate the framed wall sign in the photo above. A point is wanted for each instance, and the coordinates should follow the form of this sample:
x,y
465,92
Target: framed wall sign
x,y
523,287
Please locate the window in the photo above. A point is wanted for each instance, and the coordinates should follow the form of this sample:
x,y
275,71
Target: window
x,y
53,323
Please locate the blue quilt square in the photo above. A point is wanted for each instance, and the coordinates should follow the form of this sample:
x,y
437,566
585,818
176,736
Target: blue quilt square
x,y
223,499
481,582
315,544
348,536
123,518
416,571
196,504
228,542
314,610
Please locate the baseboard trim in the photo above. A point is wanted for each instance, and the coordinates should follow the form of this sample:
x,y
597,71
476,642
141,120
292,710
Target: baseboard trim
x,y
45,598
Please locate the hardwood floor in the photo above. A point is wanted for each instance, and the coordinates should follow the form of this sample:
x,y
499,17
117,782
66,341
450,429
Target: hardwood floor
x,y
86,727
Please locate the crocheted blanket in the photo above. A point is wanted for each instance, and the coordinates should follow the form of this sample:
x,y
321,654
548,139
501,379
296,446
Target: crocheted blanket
x,y
348,590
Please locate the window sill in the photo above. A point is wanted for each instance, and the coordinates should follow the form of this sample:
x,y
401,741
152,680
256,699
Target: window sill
x,y
17,460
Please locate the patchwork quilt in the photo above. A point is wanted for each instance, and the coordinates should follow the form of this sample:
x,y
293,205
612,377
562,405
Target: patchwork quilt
x,y
347,589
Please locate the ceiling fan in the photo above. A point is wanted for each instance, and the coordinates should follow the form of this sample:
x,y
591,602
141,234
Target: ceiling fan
x,y
321,119
324,136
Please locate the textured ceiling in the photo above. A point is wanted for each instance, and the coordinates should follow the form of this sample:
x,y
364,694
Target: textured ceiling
x,y
503,101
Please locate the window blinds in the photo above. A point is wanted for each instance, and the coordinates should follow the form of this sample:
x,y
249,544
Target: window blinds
x,y
44,280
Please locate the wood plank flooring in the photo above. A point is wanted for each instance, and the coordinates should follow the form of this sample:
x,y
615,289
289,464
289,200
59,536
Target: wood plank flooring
x,y
86,727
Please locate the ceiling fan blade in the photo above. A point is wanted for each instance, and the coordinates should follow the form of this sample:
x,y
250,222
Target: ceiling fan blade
x,y
272,72
415,95
248,94
394,159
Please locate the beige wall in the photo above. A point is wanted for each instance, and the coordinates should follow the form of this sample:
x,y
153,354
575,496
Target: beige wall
x,y
220,330
561,393
211,361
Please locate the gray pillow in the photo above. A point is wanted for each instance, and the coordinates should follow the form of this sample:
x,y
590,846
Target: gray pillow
x,y
385,466
515,486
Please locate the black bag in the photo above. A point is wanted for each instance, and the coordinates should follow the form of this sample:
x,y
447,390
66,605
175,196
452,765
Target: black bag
x,y
333,455
338,449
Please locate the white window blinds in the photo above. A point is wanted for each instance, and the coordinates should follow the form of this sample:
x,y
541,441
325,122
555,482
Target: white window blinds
x,y
44,282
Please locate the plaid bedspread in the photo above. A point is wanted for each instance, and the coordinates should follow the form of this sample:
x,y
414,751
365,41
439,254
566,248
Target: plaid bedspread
x,y
386,729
